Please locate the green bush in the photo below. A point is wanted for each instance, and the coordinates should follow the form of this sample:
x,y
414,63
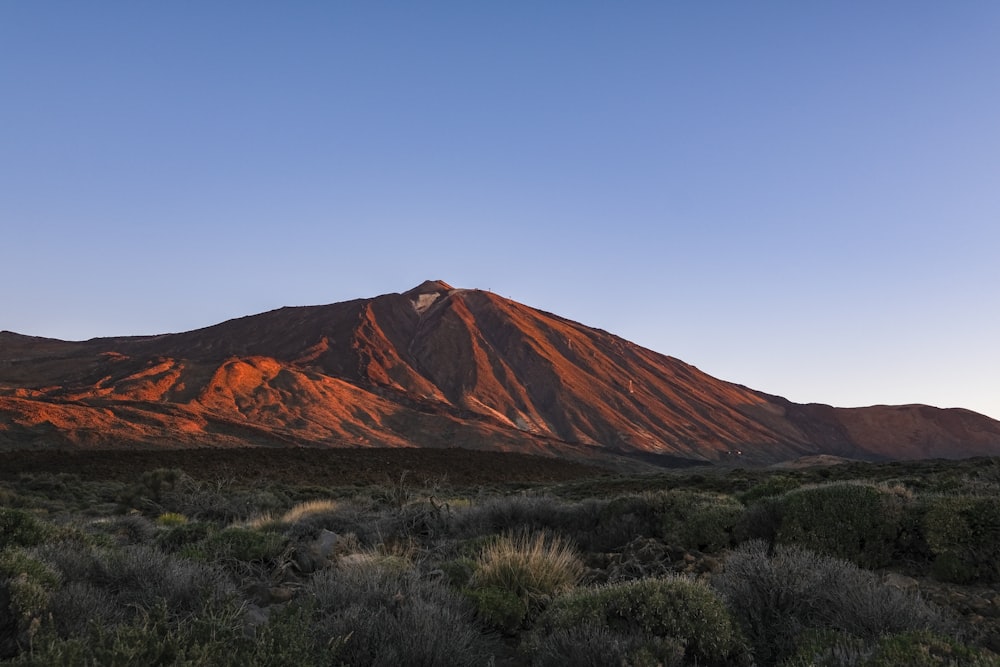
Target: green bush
x,y
150,489
154,638
698,520
963,533
131,529
770,487
760,521
684,612
858,522
177,537
691,519
628,517
926,649
592,645
20,528
499,608
26,586
240,544
458,571
830,648
777,596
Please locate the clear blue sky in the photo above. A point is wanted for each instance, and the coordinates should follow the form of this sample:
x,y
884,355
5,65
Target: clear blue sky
x,y
799,197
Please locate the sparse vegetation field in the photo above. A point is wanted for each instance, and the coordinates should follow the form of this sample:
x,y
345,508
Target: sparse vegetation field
x,y
451,557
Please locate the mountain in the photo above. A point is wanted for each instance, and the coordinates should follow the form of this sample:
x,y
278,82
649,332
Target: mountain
x,y
433,367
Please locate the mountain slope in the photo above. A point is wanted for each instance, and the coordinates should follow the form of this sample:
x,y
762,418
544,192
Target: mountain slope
x,y
432,367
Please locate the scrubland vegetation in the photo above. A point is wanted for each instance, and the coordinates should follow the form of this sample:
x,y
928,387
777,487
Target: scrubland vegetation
x,y
857,564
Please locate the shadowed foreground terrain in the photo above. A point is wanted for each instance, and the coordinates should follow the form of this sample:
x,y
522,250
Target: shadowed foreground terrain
x,y
442,558
301,466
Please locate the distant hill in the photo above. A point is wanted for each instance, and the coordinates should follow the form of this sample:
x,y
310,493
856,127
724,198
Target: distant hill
x,y
434,367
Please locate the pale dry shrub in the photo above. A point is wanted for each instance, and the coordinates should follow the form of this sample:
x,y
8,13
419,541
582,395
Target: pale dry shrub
x,y
532,567
309,509
776,596
171,520
265,521
304,512
383,614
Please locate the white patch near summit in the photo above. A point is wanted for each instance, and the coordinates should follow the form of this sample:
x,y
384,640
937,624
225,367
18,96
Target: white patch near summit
x,y
424,301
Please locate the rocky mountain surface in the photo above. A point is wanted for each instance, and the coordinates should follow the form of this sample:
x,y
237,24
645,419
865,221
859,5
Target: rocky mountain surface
x,y
433,367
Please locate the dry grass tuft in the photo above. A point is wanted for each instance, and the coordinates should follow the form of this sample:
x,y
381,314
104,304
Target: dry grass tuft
x,y
308,509
529,566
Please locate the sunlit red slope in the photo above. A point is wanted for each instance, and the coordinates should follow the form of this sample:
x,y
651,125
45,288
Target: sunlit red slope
x,y
432,367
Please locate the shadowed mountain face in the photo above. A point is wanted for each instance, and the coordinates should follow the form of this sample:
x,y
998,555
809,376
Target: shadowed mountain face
x,y
432,367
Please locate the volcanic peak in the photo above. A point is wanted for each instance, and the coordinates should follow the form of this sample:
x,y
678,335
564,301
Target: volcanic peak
x,y
429,286
433,367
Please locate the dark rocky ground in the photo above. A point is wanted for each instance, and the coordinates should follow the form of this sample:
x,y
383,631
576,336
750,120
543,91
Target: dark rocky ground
x,y
304,466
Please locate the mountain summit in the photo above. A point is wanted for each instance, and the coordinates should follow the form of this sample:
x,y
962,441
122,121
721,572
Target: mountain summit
x,y
433,366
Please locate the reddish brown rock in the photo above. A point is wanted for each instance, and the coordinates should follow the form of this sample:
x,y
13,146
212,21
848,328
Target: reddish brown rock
x,y
433,367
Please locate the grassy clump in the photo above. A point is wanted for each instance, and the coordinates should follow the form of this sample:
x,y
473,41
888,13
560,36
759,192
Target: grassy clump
x,y
516,574
645,619
171,519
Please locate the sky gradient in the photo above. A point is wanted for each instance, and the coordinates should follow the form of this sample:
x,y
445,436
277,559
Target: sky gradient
x,y
799,197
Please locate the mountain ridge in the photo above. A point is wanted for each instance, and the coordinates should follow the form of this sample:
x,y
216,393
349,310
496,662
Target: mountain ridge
x,y
434,366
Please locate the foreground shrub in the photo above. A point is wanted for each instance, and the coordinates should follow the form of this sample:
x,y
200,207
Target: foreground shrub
x,y
702,521
388,616
908,649
130,529
214,637
235,547
963,533
626,518
651,617
19,528
166,491
855,521
26,586
776,597
597,646
681,517
180,535
112,586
